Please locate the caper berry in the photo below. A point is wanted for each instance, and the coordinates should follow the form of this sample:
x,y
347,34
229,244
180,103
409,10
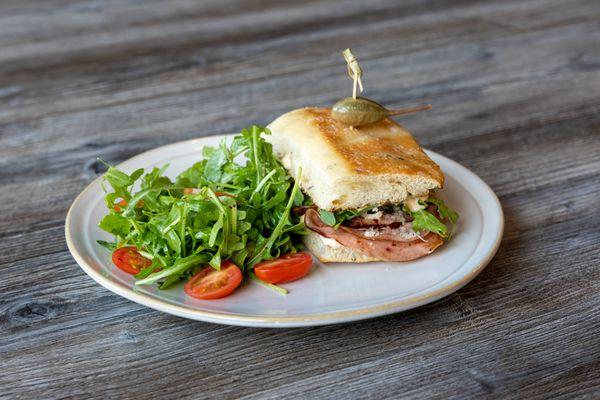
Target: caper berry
x,y
361,111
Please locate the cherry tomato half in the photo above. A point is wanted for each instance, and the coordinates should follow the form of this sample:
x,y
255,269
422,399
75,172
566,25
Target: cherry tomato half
x,y
211,284
128,259
286,268
120,205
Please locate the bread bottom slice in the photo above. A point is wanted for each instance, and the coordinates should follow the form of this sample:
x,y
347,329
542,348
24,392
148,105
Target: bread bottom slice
x,y
328,250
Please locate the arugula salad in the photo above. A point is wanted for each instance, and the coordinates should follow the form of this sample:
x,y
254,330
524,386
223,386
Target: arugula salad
x,y
216,210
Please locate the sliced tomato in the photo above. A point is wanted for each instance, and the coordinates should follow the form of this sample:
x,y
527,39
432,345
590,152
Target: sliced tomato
x,y
211,284
191,191
219,194
128,259
286,268
120,205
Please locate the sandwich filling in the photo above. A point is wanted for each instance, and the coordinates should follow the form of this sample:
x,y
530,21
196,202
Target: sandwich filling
x,y
394,232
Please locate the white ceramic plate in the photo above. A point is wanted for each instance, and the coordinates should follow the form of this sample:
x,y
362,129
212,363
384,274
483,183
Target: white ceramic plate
x,y
332,293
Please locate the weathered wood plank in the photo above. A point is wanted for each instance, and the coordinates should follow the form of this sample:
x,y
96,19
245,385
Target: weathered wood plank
x,y
514,86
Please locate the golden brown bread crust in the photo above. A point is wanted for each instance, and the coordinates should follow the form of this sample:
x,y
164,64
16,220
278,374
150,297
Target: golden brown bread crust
x,y
350,168
380,148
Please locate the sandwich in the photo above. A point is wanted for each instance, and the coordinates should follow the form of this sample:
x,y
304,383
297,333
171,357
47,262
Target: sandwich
x,y
372,188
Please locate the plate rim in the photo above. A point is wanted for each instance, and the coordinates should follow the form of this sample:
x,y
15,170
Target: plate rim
x,y
277,321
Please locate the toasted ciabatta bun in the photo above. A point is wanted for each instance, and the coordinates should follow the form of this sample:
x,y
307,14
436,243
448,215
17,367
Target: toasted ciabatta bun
x,y
350,168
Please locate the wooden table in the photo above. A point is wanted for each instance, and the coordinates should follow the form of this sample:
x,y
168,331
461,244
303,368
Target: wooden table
x,y
515,87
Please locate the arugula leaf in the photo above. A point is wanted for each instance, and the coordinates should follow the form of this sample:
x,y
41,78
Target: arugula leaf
x,y
327,217
425,221
217,158
179,267
192,177
136,174
444,211
346,215
335,219
271,286
169,281
116,224
118,179
107,245
215,262
215,230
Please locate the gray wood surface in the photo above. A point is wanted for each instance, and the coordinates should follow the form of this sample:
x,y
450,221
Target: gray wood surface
x,y
516,92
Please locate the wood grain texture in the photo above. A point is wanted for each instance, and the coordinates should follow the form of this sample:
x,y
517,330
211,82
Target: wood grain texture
x,y
516,92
